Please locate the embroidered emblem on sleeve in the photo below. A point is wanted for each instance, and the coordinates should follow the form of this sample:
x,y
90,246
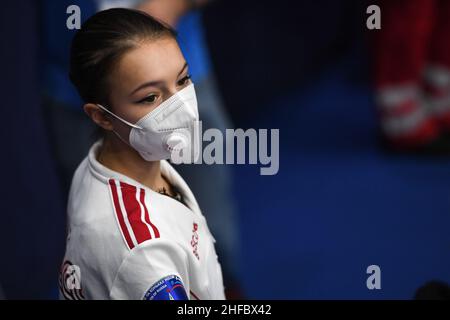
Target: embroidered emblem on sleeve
x,y
168,288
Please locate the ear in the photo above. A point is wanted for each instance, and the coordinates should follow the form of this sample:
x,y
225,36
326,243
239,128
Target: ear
x,y
100,117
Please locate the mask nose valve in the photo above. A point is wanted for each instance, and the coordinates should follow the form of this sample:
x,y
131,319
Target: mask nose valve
x,y
176,141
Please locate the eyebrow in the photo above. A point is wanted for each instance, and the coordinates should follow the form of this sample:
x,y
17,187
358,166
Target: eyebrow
x,y
155,83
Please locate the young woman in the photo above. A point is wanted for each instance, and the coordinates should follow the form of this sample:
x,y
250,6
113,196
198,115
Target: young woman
x,y
135,230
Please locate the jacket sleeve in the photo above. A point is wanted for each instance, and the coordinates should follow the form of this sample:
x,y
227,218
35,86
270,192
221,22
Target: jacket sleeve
x,y
154,270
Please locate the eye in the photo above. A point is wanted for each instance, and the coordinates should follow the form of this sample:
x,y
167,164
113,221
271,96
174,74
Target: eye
x,y
184,80
149,99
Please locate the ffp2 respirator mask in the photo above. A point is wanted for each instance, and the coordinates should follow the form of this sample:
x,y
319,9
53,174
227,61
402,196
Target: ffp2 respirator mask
x,y
168,131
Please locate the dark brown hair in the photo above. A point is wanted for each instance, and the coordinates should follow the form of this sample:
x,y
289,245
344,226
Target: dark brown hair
x,y
101,41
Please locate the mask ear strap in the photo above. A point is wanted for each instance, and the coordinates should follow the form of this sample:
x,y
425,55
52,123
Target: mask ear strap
x,y
119,118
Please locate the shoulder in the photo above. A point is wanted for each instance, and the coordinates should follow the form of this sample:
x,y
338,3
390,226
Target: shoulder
x,y
132,213
89,197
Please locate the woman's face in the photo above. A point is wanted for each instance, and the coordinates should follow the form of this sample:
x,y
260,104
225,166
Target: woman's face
x,y
144,77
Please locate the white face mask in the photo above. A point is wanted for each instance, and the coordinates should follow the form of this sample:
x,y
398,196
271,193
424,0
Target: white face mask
x,y
169,130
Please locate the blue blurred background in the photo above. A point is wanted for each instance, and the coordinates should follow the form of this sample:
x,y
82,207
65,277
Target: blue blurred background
x,y
340,201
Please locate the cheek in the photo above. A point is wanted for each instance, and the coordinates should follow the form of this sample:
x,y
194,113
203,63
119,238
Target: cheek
x,y
129,112
122,129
